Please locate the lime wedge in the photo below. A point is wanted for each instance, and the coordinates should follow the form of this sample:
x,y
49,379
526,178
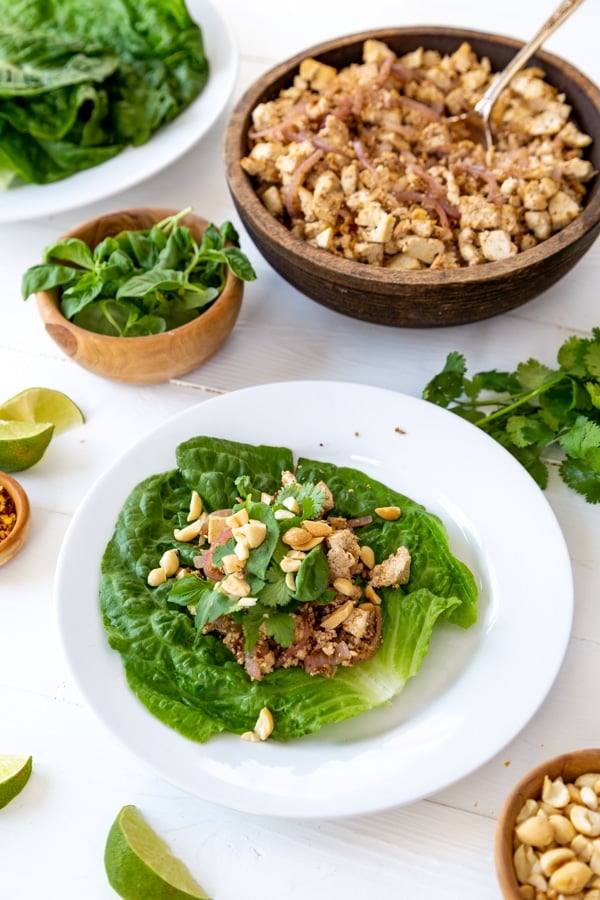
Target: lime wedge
x,y
22,444
140,865
43,405
14,775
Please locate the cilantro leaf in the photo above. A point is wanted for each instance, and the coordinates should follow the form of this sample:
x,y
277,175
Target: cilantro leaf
x,y
281,627
526,430
532,374
535,407
448,385
582,439
275,591
583,477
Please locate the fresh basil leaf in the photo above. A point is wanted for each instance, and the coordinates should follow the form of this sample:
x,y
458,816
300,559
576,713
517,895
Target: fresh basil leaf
x,y
312,577
107,317
76,297
229,234
145,325
71,250
155,280
178,250
44,277
260,557
239,264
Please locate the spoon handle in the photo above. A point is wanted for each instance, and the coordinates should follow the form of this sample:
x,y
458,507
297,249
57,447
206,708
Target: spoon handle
x,y
484,105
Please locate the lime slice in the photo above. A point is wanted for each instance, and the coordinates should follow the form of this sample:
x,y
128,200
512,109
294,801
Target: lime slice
x,y
22,444
14,775
139,863
43,405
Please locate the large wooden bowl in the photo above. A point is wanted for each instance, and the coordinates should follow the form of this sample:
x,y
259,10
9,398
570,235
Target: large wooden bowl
x,y
425,298
15,540
147,359
568,766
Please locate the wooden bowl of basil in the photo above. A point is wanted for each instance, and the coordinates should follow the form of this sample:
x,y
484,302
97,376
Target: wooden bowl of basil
x,y
141,295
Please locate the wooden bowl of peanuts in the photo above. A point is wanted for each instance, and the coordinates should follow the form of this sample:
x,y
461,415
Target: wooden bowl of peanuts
x,y
148,358
354,185
548,833
15,517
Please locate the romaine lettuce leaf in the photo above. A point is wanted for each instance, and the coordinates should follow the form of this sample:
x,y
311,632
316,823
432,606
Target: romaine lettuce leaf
x,y
191,681
76,86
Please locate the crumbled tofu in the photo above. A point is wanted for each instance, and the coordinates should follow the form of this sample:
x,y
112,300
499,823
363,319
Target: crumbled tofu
x,y
361,161
496,245
393,571
342,553
563,209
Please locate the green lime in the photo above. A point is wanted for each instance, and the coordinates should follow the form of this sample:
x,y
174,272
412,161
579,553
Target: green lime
x,y
22,444
14,775
43,405
140,865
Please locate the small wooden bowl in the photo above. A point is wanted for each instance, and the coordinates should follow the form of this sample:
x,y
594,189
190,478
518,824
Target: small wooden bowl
x,y
568,766
147,359
17,536
426,298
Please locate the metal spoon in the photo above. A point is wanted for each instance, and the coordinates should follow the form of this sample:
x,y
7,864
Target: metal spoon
x,y
477,120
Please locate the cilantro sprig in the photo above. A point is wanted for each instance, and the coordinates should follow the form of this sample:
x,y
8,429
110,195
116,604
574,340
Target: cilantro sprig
x,y
142,281
541,415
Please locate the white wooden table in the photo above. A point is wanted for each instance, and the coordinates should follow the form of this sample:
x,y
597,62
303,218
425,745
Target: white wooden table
x,y
52,837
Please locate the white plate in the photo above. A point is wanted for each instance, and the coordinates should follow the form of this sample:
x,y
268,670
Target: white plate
x,y
134,164
476,688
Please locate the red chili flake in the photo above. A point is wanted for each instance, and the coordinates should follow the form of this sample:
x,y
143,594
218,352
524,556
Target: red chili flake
x,y
8,513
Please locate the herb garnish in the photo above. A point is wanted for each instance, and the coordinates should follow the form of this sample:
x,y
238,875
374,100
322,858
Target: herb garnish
x,y
535,408
140,281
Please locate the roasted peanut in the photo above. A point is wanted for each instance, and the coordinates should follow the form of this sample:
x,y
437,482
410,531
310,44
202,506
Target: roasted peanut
x,y
367,556
586,821
156,576
536,831
338,616
169,562
292,505
188,532
317,527
389,513
555,793
195,510
571,877
264,724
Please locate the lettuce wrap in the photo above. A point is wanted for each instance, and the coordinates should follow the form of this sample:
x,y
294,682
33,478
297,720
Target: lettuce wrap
x,y
189,679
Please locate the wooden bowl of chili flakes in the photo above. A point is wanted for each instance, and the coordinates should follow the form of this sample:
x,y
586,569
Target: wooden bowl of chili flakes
x,y
409,234
15,517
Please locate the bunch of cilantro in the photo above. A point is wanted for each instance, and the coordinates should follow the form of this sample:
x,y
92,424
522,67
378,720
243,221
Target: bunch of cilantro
x,y
541,415
143,281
